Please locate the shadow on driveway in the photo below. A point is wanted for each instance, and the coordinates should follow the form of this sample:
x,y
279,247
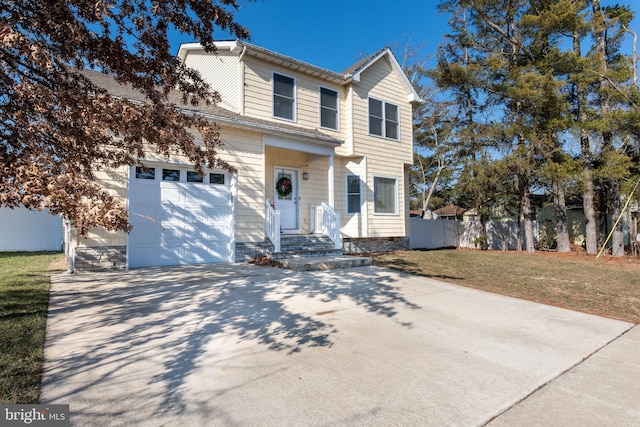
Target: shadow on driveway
x,y
128,319
235,344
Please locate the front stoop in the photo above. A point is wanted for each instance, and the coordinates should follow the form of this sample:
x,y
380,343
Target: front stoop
x,y
324,262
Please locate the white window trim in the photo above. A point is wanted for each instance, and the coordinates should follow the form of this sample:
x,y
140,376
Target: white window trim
x,y
295,96
337,128
384,119
347,193
397,196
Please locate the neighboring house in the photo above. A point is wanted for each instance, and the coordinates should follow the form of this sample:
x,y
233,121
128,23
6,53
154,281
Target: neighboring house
x,y
29,230
313,149
450,212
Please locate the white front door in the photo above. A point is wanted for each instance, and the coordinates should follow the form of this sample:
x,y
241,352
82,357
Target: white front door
x,y
286,199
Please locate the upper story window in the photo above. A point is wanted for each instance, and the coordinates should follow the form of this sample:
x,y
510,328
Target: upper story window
x,y
328,108
383,119
284,98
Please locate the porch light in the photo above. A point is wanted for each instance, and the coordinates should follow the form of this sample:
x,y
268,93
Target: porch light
x,y
305,175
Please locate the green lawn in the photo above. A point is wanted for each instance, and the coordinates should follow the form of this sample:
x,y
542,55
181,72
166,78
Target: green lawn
x,y
24,295
606,287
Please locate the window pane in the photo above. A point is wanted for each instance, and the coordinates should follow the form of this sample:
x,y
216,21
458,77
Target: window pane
x,y
353,184
283,85
375,108
170,175
391,130
375,126
193,176
282,107
384,195
216,178
329,98
328,118
353,204
145,173
391,112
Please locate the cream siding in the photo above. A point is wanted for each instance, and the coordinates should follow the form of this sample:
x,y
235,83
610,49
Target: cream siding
x,y
221,71
259,97
115,182
244,150
385,157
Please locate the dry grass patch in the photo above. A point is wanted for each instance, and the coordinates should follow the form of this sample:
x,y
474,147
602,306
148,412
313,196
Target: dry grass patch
x,y
609,287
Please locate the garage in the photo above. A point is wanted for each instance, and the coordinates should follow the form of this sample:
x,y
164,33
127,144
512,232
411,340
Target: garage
x,y
179,217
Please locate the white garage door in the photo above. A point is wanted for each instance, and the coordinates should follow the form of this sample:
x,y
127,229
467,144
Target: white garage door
x,y
179,217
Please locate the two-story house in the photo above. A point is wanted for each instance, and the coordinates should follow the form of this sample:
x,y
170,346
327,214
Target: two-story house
x,y
316,152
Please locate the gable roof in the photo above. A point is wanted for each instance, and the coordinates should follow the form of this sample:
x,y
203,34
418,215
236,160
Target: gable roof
x,y
349,75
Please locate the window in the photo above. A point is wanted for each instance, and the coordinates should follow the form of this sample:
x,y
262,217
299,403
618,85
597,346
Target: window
x,y
145,173
383,119
385,195
193,176
284,101
328,108
216,178
170,175
353,194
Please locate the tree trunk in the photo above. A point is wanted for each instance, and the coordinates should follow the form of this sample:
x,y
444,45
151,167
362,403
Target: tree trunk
x,y
591,229
519,235
613,186
528,223
617,238
560,209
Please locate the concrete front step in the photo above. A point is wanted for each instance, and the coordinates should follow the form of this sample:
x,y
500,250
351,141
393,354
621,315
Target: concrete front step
x,y
306,253
325,262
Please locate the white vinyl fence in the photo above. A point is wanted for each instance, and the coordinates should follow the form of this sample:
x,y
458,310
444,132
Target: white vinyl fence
x,y
25,230
438,233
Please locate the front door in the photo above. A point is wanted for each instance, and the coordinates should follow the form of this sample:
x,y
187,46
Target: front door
x,y
286,199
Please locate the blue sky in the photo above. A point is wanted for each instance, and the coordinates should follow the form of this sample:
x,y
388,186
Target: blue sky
x,y
334,34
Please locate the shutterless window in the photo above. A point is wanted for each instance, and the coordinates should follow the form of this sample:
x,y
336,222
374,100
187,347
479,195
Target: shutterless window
x,y
170,175
193,176
328,108
385,195
353,194
216,178
383,119
284,97
145,173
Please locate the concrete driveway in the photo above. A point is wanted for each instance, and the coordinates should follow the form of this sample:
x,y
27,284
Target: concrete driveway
x,y
245,345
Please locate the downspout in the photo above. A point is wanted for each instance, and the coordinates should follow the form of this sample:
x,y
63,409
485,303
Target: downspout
x,y
126,241
331,178
241,72
365,211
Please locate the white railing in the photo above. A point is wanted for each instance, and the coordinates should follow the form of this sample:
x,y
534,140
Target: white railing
x,y
272,224
327,222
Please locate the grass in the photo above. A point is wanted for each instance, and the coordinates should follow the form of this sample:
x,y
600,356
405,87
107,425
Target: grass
x,y
24,296
608,287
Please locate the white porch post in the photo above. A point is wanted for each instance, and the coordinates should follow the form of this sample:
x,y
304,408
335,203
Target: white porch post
x,y
331,200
